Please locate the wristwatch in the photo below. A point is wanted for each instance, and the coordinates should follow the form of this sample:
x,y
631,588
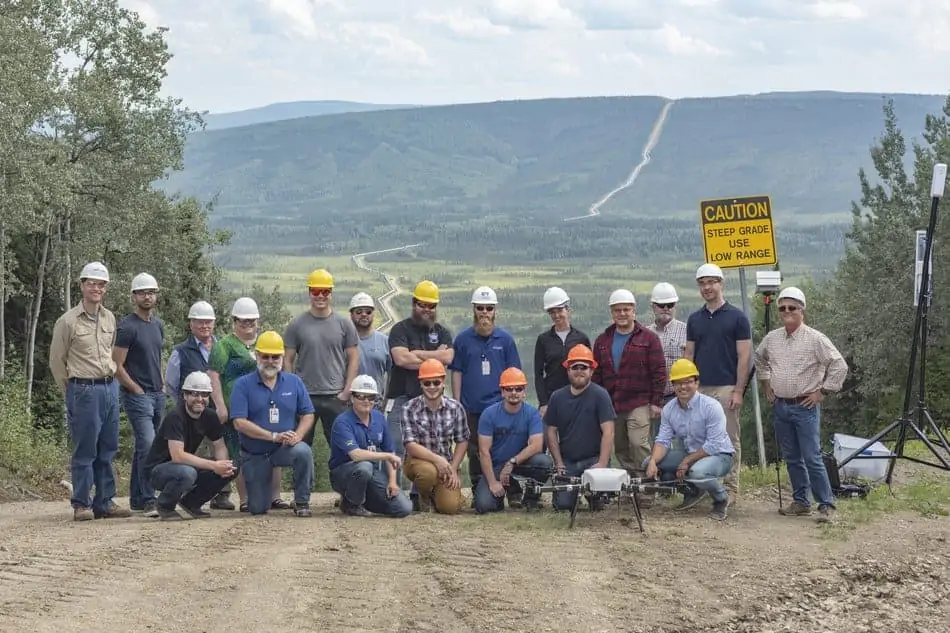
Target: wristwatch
x,y
513,461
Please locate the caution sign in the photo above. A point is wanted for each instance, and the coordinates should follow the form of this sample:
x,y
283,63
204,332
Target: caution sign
x,y
738,232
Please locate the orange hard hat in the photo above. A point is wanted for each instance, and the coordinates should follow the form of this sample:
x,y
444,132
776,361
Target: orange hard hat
x,y
512,377
431,368
580,353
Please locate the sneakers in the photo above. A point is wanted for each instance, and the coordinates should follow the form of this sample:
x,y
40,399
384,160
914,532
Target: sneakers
x,y
83,514
719,510
194,513
167,514
150,510
795,509
354,511
113,512
691,498
222,502
302,509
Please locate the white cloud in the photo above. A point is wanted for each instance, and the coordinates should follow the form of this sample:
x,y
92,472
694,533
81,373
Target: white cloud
x,y
235,54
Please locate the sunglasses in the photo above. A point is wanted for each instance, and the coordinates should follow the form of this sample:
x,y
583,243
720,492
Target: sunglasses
x,y
246,322
197,394
363,396
363,312
579,367
787,308
431,383
320,292
268,356
427,306
485,308
513,389
665,306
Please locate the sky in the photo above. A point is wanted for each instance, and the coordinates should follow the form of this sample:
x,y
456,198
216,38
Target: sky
x,y
238,54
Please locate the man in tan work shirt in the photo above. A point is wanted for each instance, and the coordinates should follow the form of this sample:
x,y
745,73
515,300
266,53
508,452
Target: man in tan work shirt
x,y
80,359
798,366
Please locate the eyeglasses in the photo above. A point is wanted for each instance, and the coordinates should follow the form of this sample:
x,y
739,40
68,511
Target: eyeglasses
x,y
145,293
579,367
518,389
363,312
246,322
321,292
665,306
485,308
198,394
363,396
787,308
431,383
268,356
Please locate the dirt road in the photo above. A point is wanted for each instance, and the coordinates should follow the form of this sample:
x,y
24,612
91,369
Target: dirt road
x,y
757,572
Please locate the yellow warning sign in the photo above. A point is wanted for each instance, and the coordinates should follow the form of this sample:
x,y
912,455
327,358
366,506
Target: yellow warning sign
x,y
738,232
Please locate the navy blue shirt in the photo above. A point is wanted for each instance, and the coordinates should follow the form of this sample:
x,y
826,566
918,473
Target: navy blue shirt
x,y
714,336
252,399
349,434
144,340
509,431
479,387
578,419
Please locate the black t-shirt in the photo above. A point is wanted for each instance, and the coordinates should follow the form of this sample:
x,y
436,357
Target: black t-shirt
x,y
578,419
180,426
406,333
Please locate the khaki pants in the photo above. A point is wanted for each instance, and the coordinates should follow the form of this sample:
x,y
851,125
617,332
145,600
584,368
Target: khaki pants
x,y
426,477
632,439
724,395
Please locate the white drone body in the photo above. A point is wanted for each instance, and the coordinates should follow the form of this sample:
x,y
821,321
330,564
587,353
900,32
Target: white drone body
x,y
605,479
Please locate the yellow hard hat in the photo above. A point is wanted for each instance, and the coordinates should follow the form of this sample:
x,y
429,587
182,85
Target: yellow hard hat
x,y
426,292
683,368
320,278
269,342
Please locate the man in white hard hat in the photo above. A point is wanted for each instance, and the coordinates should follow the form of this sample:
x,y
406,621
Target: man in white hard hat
x,y
191,354
362,460
172,465
798,367
719,342
138,358
552,346
672,331
375,360
482,352
632,368
80,360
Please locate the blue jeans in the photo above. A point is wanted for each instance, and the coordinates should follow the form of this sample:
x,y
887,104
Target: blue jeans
x,y
145,412
181,483
537,467
566,500
259,468
797,430
92,415
712,467
363,485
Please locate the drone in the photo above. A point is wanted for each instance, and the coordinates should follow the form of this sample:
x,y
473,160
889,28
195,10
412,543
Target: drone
x,y
605,485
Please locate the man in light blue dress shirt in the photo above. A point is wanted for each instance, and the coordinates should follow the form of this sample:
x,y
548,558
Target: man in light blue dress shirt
x,y
702,449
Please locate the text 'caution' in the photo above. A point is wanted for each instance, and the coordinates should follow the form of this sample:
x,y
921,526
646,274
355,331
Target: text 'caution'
x,y
738,232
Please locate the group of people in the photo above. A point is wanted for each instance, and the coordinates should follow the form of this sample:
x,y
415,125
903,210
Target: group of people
x,y
384,411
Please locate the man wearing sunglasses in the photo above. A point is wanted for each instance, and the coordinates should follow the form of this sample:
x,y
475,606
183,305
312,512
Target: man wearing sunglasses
x,y
798,367
362,462
672,331
375,360
510,442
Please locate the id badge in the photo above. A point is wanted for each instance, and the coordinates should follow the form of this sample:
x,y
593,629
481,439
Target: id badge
x,y
486,367
389,406
274,415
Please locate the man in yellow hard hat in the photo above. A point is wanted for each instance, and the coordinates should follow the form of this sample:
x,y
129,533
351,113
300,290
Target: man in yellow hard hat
x,y
702,451
323,349
273,413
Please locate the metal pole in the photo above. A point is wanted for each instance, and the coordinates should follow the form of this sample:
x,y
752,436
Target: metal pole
x,y
755,383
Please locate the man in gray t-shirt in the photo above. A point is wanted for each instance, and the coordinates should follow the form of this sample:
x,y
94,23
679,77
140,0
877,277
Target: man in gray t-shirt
x,y
322,347
375,360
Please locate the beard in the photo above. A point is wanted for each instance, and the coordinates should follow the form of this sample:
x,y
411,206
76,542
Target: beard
x,y
268,371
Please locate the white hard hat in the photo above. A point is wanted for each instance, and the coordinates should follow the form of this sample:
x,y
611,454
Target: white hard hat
x,y
621,296
144,281
362,300
364,384
484,295
201,310
664,293
197,381
555,297
244,308
709,270
95,270
792,293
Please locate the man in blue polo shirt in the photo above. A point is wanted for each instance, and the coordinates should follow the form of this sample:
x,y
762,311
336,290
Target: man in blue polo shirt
x,y
362,462
482,352
272,412
719,341
510,442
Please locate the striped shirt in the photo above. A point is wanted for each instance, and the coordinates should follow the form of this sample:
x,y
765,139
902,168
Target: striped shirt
x,y
799,363
701,425
673,339
435,430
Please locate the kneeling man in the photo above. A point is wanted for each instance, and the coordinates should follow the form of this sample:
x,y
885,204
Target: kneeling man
x,y
362,461
172,466
698,421
430,424
510,442
272,413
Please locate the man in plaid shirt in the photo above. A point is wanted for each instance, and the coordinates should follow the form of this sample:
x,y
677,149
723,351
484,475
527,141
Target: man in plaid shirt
x,y
430,424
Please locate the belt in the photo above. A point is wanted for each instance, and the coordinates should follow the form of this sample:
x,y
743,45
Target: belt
x,y
798,400
92,381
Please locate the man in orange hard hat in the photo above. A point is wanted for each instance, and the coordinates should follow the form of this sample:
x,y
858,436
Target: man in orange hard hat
x,y
510,442
580,424
431,423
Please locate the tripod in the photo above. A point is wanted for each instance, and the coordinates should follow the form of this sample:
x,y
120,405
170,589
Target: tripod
x,y
916,420
767,299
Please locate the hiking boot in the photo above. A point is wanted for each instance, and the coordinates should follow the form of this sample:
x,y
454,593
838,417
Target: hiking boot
x,y
83,514
691,498
194,513
302,509
167,514
795,509
114,511
719,510
351,510
222,502
150,510
826,514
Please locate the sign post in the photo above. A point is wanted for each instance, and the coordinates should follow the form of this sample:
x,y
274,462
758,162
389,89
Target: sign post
x,y
738,232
